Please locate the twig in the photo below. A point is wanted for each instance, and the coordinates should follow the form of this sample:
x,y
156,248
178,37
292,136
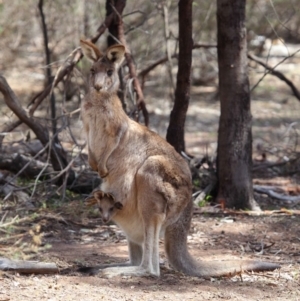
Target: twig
x,y
58,156
163,60
15,220
26,165
73,58
10,127
68,66
276,73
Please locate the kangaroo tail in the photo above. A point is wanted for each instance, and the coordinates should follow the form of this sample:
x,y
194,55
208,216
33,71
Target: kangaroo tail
x,y
181,260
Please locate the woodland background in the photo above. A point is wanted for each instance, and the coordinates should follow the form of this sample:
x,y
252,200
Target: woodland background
x,y
39,208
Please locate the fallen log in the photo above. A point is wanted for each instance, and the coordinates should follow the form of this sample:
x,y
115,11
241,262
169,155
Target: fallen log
x,y
28,267
294,200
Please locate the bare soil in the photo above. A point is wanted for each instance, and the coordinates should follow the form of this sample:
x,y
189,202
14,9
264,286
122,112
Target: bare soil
x,y
78,240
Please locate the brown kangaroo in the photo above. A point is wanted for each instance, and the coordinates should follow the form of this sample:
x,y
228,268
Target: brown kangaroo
x,y
146,175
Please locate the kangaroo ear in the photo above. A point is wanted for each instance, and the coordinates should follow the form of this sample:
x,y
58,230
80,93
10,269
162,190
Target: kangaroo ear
x,y
90,201
90,50
98,195
116,54
118,205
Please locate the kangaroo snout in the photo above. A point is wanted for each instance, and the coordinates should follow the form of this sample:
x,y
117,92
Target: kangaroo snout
x,y
98,87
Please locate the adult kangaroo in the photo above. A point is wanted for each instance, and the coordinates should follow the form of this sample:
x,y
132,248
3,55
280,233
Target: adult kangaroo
x,y
146,175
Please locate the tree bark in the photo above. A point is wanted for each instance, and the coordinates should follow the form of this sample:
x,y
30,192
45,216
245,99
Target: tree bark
x,y
113,28
234,158
48,71
175,132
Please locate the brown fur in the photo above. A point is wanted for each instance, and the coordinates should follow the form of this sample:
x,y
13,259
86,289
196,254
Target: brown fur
x,y
108,206
146,175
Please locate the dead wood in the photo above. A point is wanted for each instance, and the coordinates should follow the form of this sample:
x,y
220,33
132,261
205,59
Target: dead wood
x,y
31,147
28,267
294,200
15,162
31,168
57,153
8,128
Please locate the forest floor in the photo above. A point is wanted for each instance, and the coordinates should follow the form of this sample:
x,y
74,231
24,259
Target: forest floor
x,y
71,235
73,240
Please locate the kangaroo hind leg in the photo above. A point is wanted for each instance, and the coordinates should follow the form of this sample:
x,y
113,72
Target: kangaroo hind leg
x,y
151,207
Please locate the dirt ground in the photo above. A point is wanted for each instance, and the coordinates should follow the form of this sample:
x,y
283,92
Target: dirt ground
x,y
76,239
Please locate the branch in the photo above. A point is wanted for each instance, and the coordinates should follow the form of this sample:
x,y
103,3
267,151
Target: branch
x,y
274,72
28,267
8,128
132,70
56,152
294,199
67,68
74,57
148,69
163,60
197,46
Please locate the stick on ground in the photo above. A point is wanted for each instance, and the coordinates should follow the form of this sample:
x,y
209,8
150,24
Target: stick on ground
x,y
28,267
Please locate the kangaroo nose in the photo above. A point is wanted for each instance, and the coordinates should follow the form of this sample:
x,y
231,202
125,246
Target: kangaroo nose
x,y
98,87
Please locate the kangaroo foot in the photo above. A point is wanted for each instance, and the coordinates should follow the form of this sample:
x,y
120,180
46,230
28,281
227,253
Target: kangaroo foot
x,y
125,271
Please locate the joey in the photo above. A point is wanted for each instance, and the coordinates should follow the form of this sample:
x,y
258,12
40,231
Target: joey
x,y
106,203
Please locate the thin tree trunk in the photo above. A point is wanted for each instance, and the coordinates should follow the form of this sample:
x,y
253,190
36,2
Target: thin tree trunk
x,y
175,132
234,160
48,70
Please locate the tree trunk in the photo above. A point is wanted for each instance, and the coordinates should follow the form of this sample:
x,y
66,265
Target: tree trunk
x,y
113,27
175,132
234,161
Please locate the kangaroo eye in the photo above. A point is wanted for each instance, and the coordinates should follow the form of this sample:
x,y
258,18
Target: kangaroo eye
x,y
110,72
93,71
111,209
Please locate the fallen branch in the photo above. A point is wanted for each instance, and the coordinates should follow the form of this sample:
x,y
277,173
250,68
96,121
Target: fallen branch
x,y
16,220
8,128
28,267
295,200
57,154
85,181
218,211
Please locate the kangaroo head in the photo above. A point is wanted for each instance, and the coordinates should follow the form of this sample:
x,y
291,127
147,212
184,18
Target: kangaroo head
x,y
104,71
108,206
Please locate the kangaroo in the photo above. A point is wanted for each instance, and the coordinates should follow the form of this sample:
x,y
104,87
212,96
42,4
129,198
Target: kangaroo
x,y
107,205
146,175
